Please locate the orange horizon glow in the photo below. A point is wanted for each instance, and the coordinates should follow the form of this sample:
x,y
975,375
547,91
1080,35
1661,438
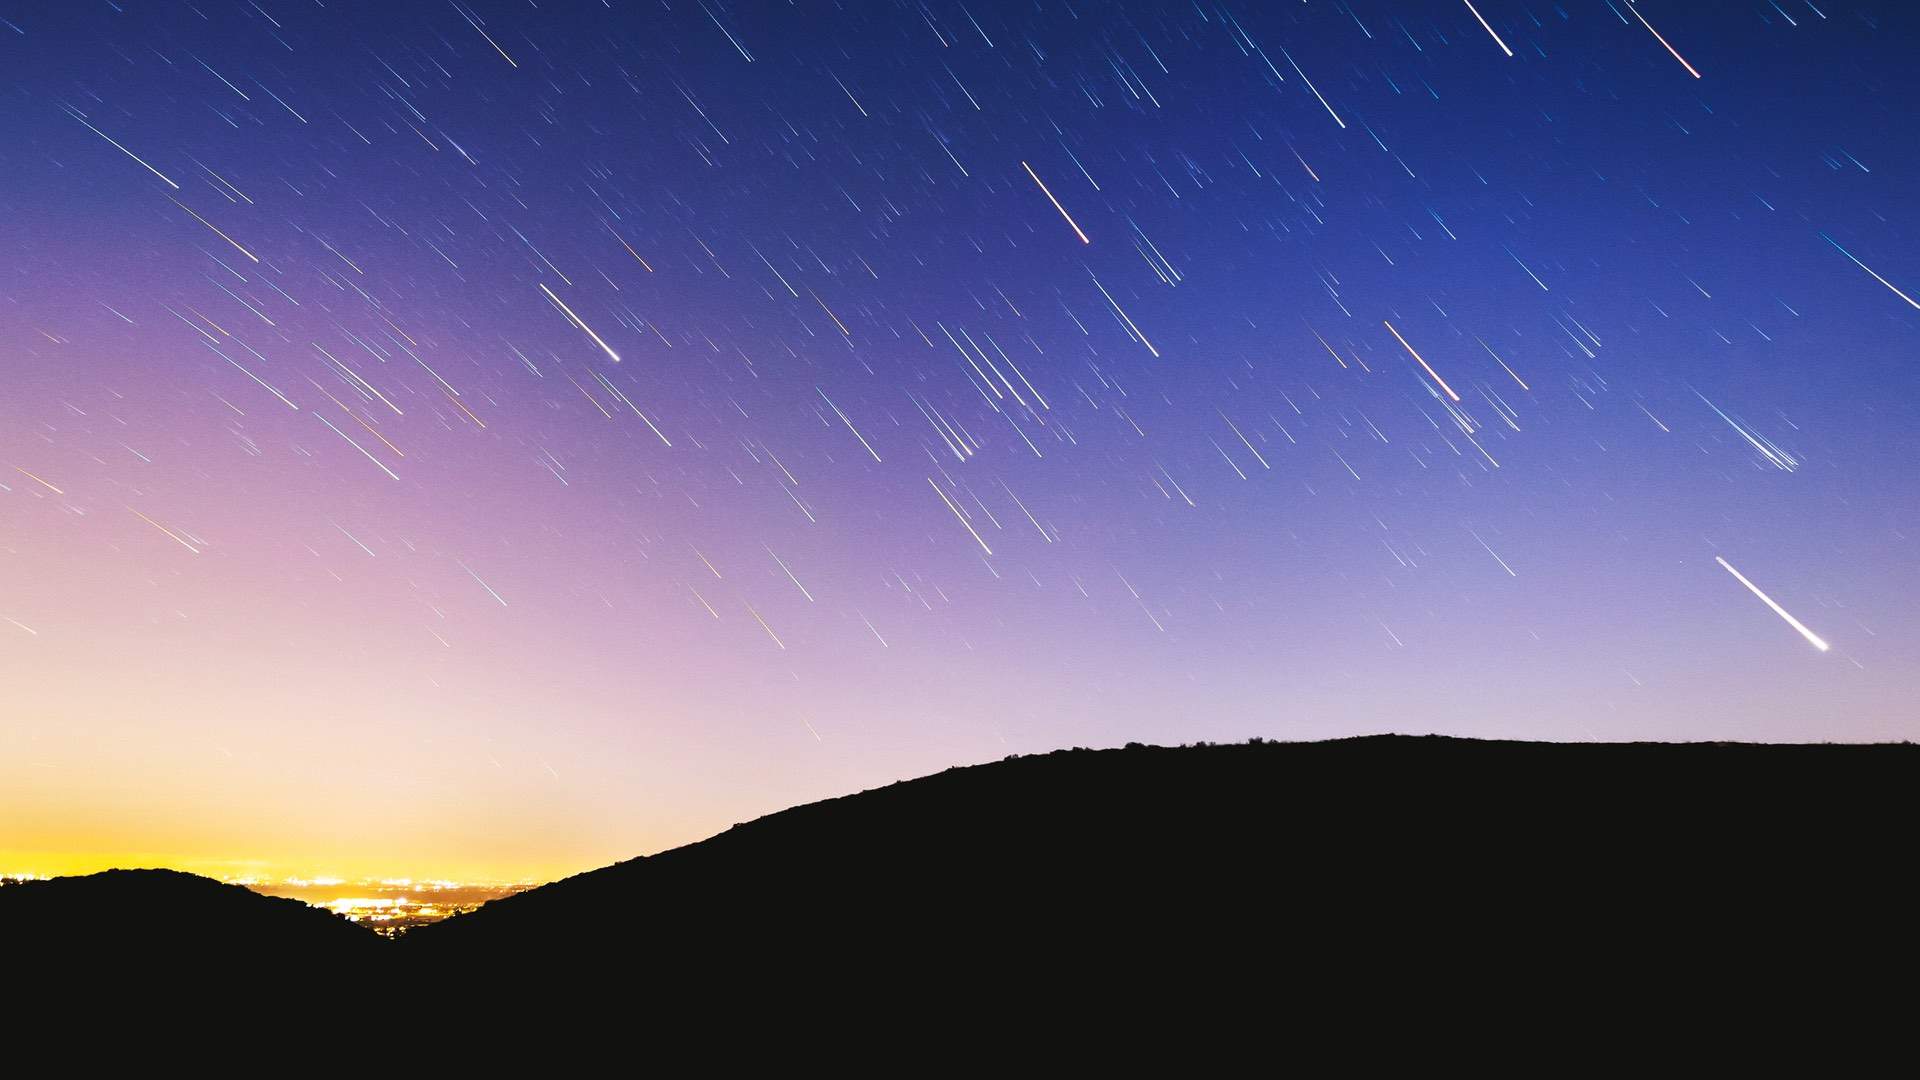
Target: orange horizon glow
x,y
15,863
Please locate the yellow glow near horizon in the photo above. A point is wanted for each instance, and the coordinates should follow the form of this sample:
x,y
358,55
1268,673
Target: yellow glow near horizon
x,y
28,863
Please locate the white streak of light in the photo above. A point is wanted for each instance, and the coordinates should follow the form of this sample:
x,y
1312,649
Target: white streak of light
x,y
1869,270
483,584
127,152
1423,362
362,449
849,423
216,229
1812,638
176,536
1056,203
1661,40
484,34
577,322
956,513
1489,29
1123,315
1316,90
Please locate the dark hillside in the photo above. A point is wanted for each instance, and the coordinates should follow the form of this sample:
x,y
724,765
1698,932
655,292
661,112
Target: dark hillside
x,y
136,916
1079,868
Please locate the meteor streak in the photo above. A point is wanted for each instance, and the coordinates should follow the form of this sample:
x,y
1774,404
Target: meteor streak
x,y
176,537
1423,361
1661,40
484,34
1056,203
224,236
83,123
1813,639
956,513
1836,246
1489,29
1315,89
577,322
483,584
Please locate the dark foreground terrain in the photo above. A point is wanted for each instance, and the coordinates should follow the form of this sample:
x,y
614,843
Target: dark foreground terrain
x,y
1397,865
168,915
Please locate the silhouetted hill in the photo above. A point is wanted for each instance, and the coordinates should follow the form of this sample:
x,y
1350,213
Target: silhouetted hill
x,y
1358,866
1425,876
129,916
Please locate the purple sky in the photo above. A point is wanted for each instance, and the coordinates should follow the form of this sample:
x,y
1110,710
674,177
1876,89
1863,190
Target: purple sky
x,y
334,538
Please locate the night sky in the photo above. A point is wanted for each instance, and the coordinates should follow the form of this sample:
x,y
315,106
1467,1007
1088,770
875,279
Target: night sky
x,y
496,439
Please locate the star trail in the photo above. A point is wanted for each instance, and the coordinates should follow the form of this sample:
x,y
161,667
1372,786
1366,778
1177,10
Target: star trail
x,y
501,437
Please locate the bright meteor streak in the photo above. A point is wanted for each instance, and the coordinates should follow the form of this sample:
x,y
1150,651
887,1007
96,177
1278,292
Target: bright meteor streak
x,y
1813,639
484,34
143,164
1836,246
1489,29
1423,362
37,480
1315,89
1658,38
216,229
1056,203
483,584
577,322
177,538
1123,315
957,514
